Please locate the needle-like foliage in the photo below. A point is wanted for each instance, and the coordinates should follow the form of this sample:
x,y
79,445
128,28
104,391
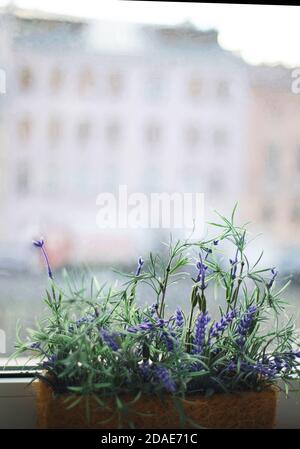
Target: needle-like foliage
x,y
98,340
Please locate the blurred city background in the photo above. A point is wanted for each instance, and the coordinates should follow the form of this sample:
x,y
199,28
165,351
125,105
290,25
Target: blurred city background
x,y
94,104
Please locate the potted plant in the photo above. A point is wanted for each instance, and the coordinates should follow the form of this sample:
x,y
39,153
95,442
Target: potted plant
x,y
107,360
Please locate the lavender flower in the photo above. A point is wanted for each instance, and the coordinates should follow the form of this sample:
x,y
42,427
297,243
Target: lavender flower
x,y
274,275
201,273
40,244
170,339
200,328
258,368
143,327
81,321
218,328
139,267
109,339
245,324
163,375
216,242
36,345
195,366
284,360
154,309
145,370
179,317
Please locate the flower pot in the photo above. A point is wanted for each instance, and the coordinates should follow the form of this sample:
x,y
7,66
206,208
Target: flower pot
x,y
247,410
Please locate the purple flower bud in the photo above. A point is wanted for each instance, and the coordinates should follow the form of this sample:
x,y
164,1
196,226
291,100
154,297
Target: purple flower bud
x,y
40,244
139,267
36,345
143,327
109,339
163,375
245,324
179,317
168,340
274,275
145,370
200,328
81,321
218,328
201,273
154,309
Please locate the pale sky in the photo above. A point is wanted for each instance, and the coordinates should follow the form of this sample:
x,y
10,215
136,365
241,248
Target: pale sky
x,y
261,33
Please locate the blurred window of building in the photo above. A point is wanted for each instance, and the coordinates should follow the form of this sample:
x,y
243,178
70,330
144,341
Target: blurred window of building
x,y
220,138
268,213
24,129
223,90
195,87
56,79
52,179
216,183
25,78
113,131
154,87
192,135
83,131
22,181
153,133
115,83
296,211
86,81
272,164
54,131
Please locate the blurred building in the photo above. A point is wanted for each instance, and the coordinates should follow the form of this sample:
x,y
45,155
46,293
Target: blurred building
x,y
91,106
274,157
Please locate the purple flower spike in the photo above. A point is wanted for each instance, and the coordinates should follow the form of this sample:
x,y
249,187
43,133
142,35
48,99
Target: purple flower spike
x,y
201,274
143,327
169,341
274,275
245,325
109,339
179,318
218,328
154,309
40,244
140,266
163,375
200,328
145,370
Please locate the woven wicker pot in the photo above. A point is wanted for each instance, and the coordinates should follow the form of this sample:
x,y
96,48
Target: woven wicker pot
x,y
247,410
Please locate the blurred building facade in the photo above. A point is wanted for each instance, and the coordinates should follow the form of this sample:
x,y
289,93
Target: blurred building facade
x,y
274,157
162,109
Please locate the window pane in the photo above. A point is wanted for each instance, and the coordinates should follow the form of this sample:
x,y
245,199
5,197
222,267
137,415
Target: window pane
x,y
147,102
